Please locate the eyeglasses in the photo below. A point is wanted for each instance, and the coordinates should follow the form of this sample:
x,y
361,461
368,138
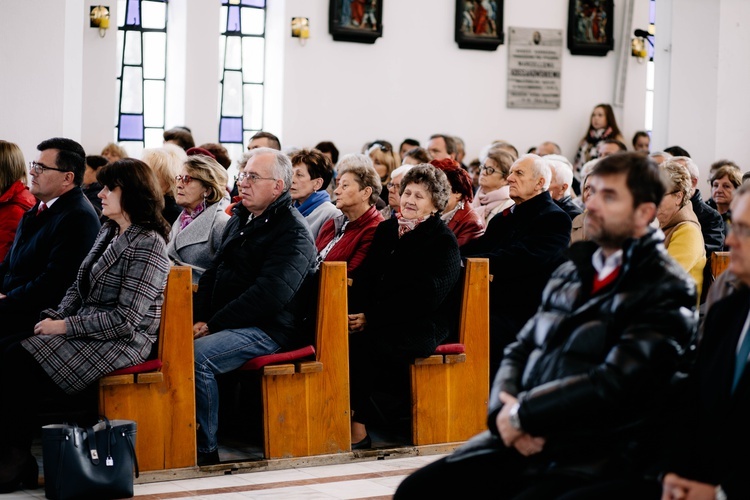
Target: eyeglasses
x,y
184,179
38,168
392,185
382,147
252,178
487,170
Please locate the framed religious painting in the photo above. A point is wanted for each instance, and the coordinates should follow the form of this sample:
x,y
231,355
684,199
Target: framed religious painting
x,y
355,20
590,27
479,24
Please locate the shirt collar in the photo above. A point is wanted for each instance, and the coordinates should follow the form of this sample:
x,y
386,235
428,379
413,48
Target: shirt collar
x,y
605,265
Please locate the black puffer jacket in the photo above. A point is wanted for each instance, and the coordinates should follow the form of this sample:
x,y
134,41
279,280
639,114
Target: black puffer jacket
x,y
592,373
258,271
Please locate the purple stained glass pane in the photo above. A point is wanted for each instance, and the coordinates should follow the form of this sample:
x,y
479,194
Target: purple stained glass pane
x,y
133,13
233,18
254,3
230,130
130,128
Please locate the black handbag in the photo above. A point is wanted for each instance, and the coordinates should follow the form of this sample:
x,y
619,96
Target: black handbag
x,y
94,462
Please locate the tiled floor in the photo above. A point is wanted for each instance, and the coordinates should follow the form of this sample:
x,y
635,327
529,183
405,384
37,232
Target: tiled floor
x,y
371,479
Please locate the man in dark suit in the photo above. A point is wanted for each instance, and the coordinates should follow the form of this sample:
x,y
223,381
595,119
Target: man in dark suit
x,y
524,245
52,238
708,456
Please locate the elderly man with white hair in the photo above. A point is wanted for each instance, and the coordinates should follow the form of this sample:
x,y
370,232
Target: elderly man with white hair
x,y
524,244
560,185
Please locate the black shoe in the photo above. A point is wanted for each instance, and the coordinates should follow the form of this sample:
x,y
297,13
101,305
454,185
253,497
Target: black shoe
x,y
25,471
364,444
210,458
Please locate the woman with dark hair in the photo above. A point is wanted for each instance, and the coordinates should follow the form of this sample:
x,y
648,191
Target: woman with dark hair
x,y
493,195
196,234
15,197
90,186
399,296
724,181
108,319
313,172
458,215
642,142
416,156
602,126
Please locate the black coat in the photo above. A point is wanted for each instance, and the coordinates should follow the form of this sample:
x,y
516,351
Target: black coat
x,y
712,435
570,208
44,259
257,272
403,283
523,248
593,373
712,224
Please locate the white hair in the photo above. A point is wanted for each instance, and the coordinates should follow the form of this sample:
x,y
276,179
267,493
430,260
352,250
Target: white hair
x,y
562,170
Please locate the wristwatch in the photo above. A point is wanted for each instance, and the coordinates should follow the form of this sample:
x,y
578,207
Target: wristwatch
x,y
513,418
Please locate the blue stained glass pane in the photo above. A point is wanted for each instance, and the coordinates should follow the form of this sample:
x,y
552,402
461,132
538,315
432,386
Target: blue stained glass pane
x,y
254,3
233,19
652,12
131,128
230,130
134,13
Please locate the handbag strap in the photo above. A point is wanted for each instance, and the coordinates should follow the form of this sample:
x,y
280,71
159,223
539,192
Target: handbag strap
x,y
93,452
129,438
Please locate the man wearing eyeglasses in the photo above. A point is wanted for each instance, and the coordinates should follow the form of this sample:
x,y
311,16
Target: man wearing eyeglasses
x,y
52,238
245,305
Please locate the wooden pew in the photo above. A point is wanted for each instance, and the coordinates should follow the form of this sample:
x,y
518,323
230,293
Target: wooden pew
x,y
306,402
161,399
719,263
450,392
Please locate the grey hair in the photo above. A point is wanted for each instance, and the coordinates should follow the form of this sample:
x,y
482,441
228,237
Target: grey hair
x,y
431,178
676,177
362,168
281,167
691,166
563,170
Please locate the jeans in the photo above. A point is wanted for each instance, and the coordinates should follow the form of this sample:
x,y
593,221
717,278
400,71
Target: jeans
x,y
218,353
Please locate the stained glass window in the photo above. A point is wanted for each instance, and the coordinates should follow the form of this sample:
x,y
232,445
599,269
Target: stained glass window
x,y
141,78
650,67
242,52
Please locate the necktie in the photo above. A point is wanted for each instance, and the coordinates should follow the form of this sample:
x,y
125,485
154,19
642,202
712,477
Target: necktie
x,y
42,208
741,361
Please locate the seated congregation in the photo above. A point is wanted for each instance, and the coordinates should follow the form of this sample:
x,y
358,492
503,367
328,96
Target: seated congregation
x,y
347,281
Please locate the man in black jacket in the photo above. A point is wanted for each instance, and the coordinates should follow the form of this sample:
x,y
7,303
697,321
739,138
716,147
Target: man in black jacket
x,y
52,238
579,400
244,304
524,244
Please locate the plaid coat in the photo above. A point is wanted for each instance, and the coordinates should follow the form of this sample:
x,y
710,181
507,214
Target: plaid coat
x,y
111,312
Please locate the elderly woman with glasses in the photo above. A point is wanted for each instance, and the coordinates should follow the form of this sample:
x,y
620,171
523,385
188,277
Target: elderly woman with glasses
x,y
493,195
683,238
196,234
458,215
347,237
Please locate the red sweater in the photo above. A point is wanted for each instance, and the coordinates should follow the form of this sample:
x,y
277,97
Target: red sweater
x,y
353,245
16,200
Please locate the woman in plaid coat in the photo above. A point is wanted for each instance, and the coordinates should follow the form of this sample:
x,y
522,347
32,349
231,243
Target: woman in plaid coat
x,y
108,319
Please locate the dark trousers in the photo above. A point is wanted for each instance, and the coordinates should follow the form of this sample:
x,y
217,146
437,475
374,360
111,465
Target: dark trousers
x,y
23,386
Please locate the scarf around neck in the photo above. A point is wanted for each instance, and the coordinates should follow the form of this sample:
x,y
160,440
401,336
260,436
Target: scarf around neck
x,y
312,202
186,218
406,225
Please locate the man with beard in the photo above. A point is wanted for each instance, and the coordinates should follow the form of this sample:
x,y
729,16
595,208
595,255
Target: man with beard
x,y
581,397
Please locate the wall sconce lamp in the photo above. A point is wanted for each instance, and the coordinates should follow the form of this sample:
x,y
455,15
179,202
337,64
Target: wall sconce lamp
x,y
100,19
301,29
638,44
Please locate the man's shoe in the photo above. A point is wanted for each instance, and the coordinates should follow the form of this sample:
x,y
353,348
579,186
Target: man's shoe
x,y
209,458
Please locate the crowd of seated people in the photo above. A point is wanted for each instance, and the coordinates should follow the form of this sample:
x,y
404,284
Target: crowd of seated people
x,y
409,251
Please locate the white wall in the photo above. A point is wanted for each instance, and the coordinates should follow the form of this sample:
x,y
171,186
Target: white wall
x,y
58,77
415,81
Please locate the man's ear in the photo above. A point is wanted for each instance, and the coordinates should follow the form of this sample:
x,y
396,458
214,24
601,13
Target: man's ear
x,y
645,213
565,188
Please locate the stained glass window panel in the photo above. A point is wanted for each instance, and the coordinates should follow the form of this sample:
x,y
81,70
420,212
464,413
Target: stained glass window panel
x,y
154,15
120,43
132,47
254,106
253,21
254,3
233,58
131,128
133,13
153,93
132,91
230,130
253,53
154,59
154,137
233,22
232,98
